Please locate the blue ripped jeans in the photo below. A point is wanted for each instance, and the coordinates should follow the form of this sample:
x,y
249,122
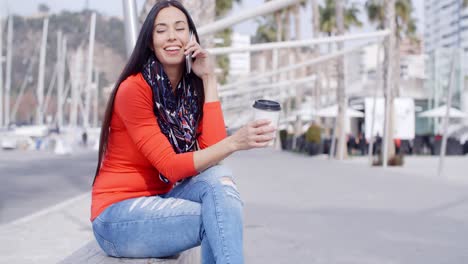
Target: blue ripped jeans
x,y
203,210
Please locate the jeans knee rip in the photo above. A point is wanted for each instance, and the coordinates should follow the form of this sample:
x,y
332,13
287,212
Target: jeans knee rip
x,y
231,188
226,181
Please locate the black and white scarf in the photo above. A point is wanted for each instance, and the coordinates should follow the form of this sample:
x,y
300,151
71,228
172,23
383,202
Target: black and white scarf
x,y
177,112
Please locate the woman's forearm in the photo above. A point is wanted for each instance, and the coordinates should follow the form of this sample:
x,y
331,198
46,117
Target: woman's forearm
x,y
256,134
212,155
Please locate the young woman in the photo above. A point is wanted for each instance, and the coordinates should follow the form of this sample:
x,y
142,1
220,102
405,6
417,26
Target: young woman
x,y
158,189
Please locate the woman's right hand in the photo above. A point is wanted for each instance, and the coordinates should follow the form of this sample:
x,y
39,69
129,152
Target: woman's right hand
x,y
256,134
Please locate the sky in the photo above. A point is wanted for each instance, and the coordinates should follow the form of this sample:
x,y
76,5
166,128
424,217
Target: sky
x,y
114,8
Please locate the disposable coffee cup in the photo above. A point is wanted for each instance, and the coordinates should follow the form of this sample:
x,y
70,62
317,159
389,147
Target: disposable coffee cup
x,y
267,109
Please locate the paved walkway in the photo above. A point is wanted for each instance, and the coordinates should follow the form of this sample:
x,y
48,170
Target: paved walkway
x,y
311,210
300,209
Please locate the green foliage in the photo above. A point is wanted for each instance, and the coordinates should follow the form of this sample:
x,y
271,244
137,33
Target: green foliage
x,y
223,63
266,30
328,17
267,27
223,6
397,160
405,23
223,60
313,134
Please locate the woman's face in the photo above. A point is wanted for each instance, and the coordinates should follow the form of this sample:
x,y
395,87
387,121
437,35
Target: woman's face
x,y
170,36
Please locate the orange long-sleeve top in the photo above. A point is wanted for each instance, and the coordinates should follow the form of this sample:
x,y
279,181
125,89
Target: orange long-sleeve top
x,y
137,149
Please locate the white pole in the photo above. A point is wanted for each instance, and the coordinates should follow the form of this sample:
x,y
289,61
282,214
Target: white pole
x,y
61,50
9,57
241,16
131,24
96,99
89,74
76,87
66,91
40,78
293,67
281,87
332,152
298,43
290,84
53,80
374,102
447,114
1,73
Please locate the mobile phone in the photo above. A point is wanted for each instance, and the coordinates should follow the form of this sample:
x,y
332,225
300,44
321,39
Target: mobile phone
x,y
188,58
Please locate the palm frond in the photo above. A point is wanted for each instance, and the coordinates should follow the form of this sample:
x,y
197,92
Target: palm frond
x,y
328,17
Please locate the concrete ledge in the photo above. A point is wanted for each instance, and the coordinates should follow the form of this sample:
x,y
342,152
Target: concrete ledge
x,y
91,253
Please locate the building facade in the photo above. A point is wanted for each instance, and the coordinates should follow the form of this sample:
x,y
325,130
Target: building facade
x,y
446,48
446,25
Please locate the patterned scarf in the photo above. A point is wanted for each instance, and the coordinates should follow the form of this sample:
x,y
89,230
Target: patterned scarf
x,y
177,112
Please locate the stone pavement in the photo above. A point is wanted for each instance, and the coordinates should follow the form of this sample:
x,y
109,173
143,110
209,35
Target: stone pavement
x,y
49,235
302,209
312,210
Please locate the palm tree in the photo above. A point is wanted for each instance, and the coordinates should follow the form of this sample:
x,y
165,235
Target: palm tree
x,y
327,23
293,14
315,18
405,27
340,90
270,29
328,17
405,24
300,73
275,26
348,16
221,8
316,50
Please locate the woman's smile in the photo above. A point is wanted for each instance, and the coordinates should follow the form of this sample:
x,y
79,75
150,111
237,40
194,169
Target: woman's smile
x,y
173,50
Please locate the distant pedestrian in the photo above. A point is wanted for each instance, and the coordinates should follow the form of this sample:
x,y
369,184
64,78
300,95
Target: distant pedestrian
x,y
84,138
378,144
397,143
362,144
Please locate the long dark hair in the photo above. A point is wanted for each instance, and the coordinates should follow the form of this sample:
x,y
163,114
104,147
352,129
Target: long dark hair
x,y
140,55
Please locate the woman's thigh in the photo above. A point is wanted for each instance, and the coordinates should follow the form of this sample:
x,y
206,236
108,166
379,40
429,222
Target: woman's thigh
x,y
149,227
218,176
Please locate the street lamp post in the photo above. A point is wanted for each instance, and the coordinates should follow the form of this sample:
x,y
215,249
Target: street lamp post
x,y
131,24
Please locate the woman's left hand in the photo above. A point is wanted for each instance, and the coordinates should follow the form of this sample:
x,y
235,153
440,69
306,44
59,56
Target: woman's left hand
x,y
202,66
